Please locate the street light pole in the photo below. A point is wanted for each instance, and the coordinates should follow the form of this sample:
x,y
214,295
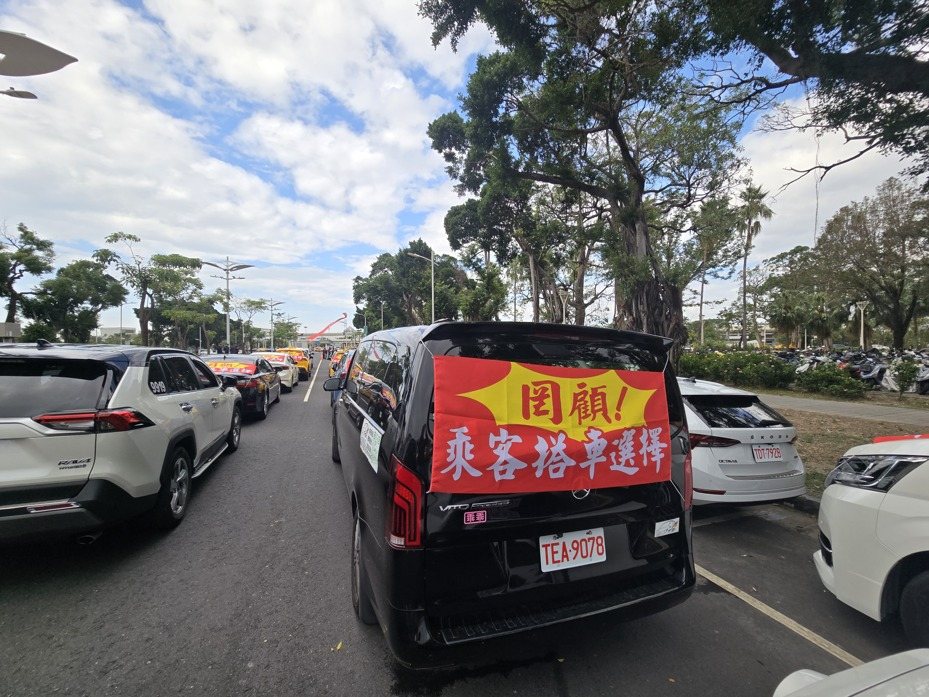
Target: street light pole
x,y
228,268
271,306
431,260
861,307
382,314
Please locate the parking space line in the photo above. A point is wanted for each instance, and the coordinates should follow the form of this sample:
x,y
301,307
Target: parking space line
x,y
306,397
808,634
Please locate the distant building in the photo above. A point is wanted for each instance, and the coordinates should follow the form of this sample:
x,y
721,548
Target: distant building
x,y
10,332
107,332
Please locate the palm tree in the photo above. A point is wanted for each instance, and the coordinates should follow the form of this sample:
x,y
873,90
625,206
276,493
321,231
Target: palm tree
x,y
753,210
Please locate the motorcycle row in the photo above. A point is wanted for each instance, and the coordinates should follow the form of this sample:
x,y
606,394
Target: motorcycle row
x,y
873,367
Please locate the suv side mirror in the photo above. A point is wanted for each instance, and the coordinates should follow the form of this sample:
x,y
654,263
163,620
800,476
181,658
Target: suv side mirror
x,y
228,381
332,384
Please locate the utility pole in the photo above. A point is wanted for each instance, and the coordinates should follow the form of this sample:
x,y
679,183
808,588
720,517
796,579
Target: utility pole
x,y
382,315
228,268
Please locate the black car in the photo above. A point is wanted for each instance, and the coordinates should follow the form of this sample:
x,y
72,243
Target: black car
x,y
442,571
256,380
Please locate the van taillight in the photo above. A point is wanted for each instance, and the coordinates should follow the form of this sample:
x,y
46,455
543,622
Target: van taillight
x,y
688,481
406,513
106,421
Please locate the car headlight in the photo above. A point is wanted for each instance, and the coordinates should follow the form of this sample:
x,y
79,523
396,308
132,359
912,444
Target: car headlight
x,y
878,472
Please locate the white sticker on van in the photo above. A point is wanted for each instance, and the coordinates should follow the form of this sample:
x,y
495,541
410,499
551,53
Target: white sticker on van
x,y
370,442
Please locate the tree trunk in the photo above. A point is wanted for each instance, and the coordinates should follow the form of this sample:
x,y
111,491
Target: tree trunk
x,y
743,334
533,287
702,287
11,307
579,306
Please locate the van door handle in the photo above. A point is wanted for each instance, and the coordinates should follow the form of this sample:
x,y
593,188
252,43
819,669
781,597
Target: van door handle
x,y
214,402
187,407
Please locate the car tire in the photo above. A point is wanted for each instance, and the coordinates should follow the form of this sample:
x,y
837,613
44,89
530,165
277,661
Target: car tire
x,y
174,495
335,442
262,413
361,599
286,389
235,431
914,609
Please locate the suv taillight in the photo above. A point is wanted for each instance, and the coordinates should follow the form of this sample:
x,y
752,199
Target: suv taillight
x,y
700,441
70,421
688,481
106,421
406,511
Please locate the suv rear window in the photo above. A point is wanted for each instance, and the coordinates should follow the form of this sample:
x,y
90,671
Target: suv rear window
x,y
38,386
735,411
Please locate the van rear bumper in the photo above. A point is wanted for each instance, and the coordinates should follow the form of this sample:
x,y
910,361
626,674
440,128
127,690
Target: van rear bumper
x,y
420,641
96,505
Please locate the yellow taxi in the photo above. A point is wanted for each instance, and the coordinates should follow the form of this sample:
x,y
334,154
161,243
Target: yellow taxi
x,y
300,358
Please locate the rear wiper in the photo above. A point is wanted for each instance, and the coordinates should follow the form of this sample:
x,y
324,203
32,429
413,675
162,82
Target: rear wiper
x,y
769,422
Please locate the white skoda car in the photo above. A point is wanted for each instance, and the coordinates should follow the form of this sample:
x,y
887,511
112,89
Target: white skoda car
x,y
874,532
743,450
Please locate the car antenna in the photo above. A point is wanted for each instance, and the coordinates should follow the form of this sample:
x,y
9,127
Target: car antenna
x,y
42,343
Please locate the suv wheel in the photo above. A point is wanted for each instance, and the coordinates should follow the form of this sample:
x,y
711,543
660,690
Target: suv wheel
x,y
235,431
263,409
361,601
175,491
914,609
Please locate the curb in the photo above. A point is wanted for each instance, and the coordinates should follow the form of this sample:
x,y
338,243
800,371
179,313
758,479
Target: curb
x,y
805,503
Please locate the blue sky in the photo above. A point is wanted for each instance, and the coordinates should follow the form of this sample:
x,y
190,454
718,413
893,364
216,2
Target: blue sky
x,y
285,134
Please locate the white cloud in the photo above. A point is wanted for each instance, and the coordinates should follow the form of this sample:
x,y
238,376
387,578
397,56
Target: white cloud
x,y
132,136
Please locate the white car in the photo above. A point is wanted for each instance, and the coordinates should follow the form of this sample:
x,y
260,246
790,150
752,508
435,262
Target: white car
x,y
285,366
874,532
93,435
743,450
893,676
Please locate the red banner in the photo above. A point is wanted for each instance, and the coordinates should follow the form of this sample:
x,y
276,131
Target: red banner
x,y
503,427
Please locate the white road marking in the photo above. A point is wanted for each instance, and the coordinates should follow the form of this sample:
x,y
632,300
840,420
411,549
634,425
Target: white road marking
x,y
309,389
808,634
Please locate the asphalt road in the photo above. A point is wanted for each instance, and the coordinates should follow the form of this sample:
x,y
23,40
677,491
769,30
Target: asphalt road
x,y
250,596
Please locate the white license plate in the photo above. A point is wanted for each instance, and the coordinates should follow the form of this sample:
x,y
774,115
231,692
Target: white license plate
x,y
768,453
571,549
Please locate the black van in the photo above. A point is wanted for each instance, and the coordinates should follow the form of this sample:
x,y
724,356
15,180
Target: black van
x,y
432,581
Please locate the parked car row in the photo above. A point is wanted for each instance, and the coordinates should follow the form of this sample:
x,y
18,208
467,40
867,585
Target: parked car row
x,y
91,435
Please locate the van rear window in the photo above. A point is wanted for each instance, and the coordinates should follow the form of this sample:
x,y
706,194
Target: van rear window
x,y
558,351
38,386
735,411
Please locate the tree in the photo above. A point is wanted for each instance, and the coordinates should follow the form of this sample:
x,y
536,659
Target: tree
x,y
402,283
25,254
162,276
483,300
69,304
863,60
588,97
879,250
753,210
695,245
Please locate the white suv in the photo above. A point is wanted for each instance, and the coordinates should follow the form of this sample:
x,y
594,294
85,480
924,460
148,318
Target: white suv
x,y
91,435
874,532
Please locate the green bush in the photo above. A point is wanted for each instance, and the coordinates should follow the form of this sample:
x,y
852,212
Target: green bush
x,y
905,372
743,368
830,380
